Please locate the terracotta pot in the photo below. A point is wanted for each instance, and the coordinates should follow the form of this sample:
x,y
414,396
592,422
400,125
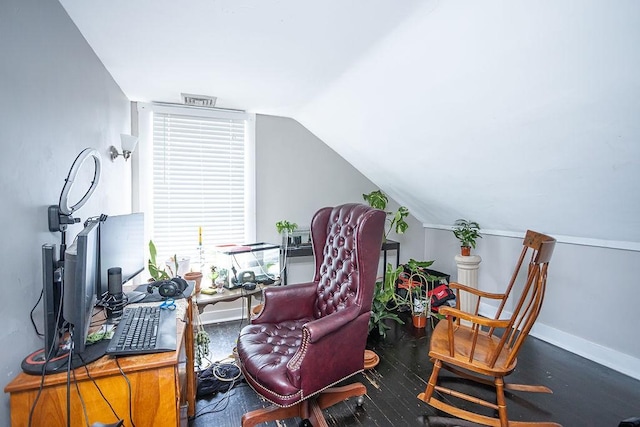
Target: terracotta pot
x,y
419,321
465,250
371,359
195,276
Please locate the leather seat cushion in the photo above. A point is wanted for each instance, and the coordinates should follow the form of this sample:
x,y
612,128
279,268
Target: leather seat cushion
x,y
265,349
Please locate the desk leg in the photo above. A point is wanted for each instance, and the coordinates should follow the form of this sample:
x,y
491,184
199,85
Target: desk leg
x,y
191,375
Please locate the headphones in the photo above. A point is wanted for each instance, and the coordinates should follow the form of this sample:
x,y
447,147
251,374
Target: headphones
x,y
168,288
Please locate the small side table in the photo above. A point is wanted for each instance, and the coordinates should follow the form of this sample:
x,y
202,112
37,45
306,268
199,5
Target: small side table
x,y
203,300
307,251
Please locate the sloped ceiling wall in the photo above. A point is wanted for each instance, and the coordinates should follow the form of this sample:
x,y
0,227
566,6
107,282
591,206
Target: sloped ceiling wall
x,y
514,114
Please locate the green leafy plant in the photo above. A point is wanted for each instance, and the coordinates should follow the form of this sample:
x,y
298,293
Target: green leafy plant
x,y
384,303
201,346
156,272
377,199
287,226
414,278
467,232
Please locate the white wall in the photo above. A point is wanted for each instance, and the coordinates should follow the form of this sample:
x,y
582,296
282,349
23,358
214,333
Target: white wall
x,y
297,174
591,303
484,109
57,99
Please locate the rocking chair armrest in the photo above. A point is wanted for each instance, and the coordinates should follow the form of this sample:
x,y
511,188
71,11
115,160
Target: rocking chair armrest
x,y
460,286
478,320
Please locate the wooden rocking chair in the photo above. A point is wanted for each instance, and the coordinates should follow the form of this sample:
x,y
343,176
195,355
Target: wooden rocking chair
x,y
486,350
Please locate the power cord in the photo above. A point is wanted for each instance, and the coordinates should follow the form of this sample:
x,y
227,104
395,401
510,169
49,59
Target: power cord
x,y
218,406
35,327
69,377
221,377
101,393
129,388
82,404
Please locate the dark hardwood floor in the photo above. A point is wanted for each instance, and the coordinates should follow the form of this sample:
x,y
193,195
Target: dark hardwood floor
x,y
585,393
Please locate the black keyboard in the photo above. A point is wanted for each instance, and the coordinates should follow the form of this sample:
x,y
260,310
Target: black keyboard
x,y
142,330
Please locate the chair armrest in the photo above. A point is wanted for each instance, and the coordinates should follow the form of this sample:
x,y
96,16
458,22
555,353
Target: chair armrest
x,y
336,340
318,328
478,320
460,286
286,302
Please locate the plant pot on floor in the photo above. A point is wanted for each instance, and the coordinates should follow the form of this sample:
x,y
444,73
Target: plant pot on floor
x,y
419,321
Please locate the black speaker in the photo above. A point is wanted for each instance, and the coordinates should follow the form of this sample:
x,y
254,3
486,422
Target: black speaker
x,y
168,288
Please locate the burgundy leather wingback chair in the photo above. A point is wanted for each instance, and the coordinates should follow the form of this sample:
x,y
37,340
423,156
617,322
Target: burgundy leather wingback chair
x,y
310,336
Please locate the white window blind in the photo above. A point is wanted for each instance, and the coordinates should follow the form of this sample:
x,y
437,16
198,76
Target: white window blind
x,y
198,178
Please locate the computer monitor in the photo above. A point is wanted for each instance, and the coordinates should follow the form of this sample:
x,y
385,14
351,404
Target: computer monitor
x,y
52,300
53,356
79,284
121,245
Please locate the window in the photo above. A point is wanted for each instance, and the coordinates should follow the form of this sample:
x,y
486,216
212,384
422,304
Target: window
x,y
198,179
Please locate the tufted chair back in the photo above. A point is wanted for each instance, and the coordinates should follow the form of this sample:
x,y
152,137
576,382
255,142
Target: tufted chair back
x,y
310,336
340,270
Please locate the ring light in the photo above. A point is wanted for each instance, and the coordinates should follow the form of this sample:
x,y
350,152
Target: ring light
x,y
63,205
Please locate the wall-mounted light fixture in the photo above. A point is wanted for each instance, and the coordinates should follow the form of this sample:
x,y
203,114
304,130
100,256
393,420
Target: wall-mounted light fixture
x,y
128,143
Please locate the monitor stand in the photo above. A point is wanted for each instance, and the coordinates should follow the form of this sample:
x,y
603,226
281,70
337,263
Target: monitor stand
x,y
36,363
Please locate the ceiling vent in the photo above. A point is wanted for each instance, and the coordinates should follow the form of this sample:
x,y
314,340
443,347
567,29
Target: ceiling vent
x,y
199,100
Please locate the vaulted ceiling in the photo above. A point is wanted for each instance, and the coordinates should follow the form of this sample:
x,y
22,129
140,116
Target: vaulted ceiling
x,y
516,114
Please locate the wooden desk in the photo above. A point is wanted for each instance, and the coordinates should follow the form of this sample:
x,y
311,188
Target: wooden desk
x,y
160,390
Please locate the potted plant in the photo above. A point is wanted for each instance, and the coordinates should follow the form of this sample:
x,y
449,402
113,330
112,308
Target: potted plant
x,y
155,271
377,199
466,232
177,266
285,228
415,280
384,303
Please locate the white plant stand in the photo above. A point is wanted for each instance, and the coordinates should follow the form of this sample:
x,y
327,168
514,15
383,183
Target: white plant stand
x,y
468,275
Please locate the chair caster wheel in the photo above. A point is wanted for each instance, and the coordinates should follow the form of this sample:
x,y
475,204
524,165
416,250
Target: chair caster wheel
x,y
360,401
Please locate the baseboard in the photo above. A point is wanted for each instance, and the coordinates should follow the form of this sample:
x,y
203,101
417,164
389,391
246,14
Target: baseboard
x,y
223,315
608,357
